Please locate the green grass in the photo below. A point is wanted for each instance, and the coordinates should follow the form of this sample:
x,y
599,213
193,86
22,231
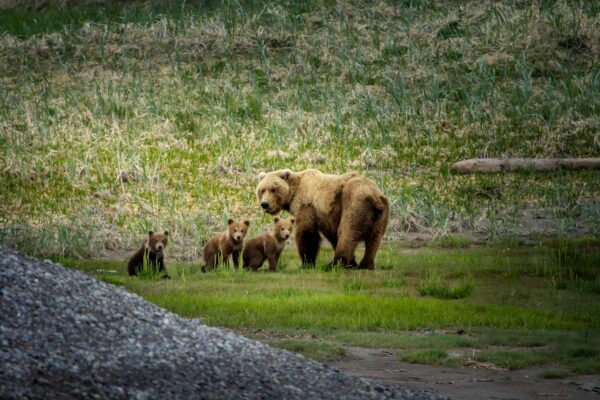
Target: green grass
x,y
514,359
582,352
513,320
117,119
434,285
189,101
554,374
430,356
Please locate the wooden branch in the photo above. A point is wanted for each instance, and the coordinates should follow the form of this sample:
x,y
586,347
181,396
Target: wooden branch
x,y
492,165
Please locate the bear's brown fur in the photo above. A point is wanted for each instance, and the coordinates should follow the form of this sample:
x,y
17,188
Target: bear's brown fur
x,y
268,246
346,209
222,245
152,252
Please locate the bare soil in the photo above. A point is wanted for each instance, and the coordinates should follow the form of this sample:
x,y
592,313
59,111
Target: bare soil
x,y
466,383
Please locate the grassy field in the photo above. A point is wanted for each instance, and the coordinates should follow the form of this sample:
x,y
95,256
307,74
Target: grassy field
x,y
120,118
524,306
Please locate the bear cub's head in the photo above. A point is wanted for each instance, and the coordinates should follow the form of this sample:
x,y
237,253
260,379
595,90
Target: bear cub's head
x,y
283,228
237,230
158,241
273,190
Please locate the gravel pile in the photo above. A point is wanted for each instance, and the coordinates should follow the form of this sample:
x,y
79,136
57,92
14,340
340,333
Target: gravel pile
x,y
66,335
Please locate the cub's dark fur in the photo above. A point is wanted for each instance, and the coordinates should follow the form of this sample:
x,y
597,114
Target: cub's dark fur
x,y
152,252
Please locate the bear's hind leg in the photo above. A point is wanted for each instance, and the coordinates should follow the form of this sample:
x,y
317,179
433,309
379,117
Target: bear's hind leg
x,y
209,262
351,224
256,262
373,241
344,252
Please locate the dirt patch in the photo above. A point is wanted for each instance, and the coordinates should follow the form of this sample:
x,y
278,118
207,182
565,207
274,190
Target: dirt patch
x,y
472,382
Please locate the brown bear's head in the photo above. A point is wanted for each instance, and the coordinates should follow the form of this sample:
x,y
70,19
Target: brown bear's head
x,y
283,228
158,241
237,230
273,191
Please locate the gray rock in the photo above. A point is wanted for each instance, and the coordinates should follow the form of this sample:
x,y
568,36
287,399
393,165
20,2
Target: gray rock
x,y
66,335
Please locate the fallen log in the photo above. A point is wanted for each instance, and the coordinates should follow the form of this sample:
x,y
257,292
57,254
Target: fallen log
x,y
492,165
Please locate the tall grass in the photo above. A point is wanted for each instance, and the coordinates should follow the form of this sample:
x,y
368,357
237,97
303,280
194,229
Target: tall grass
x,y
190,101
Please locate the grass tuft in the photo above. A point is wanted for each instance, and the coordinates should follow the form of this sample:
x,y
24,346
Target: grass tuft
x,y
434,285
555,374
430,356
513,359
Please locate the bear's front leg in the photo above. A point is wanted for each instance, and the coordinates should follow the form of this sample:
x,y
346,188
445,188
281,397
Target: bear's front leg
x,y
273,259
222,259
161,264
162,268
236,259
308,242
308,239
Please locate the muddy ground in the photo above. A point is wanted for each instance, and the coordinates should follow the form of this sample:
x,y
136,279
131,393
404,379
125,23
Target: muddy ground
x,y
469,382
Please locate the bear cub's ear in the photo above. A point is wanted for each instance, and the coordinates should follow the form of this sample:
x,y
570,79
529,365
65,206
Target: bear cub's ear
x,y
229,221
285,174
150,233
292,220
166,233
276,219
247,223
261,176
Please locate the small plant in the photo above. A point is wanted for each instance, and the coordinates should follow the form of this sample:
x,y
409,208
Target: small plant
x,y
554,374
354,285
453,241
113,280
429,356
434,285
513,359
555,284
394,283
583,352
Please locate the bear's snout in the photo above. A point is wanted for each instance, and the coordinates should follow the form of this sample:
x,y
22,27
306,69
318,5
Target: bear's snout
x,y
159,246
264,205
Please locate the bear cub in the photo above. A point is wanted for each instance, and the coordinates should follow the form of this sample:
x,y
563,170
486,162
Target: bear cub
x,y
269,245
224,244
151,253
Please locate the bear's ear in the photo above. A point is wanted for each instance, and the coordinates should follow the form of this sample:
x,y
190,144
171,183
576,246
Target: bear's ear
x,y
166,233
285,174
292,220
247,223
276,219
261,176
150,233
229,221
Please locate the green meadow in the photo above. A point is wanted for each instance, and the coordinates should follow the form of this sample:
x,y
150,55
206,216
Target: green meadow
x,y
523,306
117,118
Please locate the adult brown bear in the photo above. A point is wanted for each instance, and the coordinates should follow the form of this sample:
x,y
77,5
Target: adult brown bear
x,y
346,209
